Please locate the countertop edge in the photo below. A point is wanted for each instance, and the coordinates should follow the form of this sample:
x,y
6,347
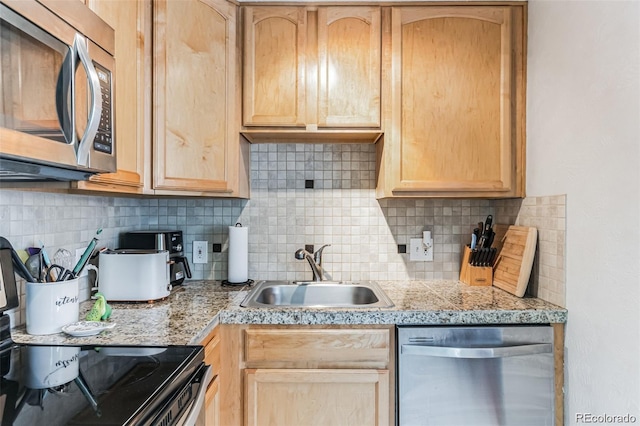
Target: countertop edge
x,y
188,316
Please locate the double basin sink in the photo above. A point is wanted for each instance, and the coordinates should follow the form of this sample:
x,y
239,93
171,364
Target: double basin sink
x,y
316,294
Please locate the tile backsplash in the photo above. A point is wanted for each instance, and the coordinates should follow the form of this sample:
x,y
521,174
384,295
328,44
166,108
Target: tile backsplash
x,y
282,215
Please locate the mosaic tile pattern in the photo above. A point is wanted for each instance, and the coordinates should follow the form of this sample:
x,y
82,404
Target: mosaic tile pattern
x,y
282,216
548,214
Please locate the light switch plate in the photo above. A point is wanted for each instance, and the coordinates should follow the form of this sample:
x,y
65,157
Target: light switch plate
x,y
200,251
418,252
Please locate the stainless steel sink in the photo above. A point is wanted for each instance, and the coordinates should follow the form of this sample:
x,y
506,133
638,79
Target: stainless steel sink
x,y
316,294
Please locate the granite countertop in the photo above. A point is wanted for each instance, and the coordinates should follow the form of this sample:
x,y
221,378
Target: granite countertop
x,y
188,315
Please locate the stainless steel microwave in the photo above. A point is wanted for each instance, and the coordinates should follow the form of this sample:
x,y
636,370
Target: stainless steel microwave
x,y
56,91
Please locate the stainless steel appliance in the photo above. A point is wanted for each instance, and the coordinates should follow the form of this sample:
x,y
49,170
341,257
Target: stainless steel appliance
x,y
475,376
96,385
134,275
162,240
56,91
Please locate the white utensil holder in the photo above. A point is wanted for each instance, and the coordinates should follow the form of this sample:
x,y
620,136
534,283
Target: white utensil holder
x,y
50,306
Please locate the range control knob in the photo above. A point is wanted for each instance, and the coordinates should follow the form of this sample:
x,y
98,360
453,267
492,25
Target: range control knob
x,y
178,247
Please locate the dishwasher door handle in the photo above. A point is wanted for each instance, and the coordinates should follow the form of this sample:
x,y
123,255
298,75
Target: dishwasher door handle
x,y
478,352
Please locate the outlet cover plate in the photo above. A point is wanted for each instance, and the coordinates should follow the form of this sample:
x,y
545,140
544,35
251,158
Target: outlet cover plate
x,y
418,252
200,251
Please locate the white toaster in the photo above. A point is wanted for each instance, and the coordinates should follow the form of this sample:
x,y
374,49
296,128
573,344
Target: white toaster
x,y
134,275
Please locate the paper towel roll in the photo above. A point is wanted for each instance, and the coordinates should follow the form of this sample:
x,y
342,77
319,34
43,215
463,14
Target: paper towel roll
x,y
238,271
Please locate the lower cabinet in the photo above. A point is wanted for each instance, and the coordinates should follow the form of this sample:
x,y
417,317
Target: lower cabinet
x,y
316,396
307,375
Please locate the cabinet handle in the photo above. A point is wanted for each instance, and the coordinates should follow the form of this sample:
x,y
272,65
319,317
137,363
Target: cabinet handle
x,y
489,352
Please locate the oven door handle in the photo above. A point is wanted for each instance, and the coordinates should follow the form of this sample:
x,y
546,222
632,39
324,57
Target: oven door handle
x,y
95,112
484,352
198,402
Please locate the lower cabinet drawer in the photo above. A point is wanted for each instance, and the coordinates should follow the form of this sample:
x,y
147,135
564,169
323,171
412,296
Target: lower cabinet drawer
x,y
321,348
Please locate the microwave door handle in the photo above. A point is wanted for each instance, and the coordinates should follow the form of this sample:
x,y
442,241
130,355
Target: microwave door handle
x,y
488,352
95,111
64,90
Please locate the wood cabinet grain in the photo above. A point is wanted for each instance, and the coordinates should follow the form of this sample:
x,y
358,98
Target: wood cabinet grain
x,y
196,145
456,103
324,375
291,397
312,73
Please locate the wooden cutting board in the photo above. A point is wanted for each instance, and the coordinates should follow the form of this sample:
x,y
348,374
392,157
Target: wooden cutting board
x,y
512,268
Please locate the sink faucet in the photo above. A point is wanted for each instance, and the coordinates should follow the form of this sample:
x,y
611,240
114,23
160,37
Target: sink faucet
x,y
315,261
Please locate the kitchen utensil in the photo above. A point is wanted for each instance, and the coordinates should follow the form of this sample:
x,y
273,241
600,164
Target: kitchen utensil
x,y
85,256
513,265
45,255
54,271
34,266
471,272
63,258
486,232
18,266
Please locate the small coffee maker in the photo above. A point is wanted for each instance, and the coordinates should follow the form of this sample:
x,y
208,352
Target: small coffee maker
x,y
161,240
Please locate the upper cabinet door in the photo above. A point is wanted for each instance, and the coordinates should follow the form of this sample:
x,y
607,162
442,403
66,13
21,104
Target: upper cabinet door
x,y
196,144
349,40
457,102
274,66
311,71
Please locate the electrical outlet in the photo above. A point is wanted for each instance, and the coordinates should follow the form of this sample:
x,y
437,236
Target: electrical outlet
x,y
419,252
200,251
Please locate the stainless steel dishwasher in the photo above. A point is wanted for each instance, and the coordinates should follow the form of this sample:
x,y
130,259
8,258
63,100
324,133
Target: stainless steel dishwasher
x,y
475,376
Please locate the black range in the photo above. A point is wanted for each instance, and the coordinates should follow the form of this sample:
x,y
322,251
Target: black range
x,y
95,385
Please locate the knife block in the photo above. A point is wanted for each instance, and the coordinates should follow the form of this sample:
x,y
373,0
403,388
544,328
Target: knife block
x,y
474,275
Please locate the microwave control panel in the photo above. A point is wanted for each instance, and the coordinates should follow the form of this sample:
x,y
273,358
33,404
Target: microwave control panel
x,y
104,138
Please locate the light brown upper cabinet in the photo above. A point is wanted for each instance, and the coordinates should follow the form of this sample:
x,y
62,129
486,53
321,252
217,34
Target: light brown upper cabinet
x,y
128,21
197,149
312,73
456,113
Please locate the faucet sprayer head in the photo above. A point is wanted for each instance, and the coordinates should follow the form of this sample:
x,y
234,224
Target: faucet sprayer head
x,y
300,254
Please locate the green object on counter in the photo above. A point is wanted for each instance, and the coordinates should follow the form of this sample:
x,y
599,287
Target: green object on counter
x,y
107,313
99,308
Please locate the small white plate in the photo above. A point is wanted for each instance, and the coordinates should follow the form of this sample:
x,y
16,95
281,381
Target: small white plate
x,y
87,328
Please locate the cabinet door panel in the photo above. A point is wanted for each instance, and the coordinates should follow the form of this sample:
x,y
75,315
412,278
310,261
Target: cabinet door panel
x,y
194,75
317,397
451,103
456,91
274,66
349,66
457,102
